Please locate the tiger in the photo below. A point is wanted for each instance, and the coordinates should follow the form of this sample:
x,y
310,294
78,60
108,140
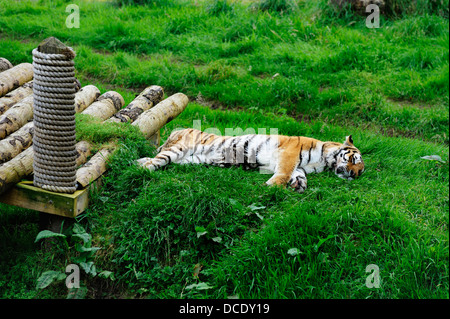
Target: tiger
x,y
288,158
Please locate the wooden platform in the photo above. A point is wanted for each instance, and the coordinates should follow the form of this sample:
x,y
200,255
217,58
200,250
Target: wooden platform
x,y
25,195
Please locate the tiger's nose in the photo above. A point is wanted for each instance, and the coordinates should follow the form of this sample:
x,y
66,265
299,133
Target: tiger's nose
x,y
340,170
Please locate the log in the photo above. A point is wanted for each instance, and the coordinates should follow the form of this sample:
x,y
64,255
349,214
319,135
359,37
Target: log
x,y
13,171
16,142
11,98
16,117
22,112
5,64
15,77
15,96
83,149
95,167
85,97
154,119
148,98
21,166
23,137
106,105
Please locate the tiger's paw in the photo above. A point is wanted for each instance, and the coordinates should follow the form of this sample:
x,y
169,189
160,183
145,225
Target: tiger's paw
x,y
299,184
146,162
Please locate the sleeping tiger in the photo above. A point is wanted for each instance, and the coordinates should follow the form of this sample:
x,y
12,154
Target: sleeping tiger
x,y
289,158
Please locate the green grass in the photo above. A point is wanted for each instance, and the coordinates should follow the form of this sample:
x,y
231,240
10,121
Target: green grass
x,y
326,71
387,87
375,220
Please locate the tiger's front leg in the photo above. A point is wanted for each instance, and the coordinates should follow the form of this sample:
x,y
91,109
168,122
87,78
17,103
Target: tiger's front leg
x,y
147,162
173,154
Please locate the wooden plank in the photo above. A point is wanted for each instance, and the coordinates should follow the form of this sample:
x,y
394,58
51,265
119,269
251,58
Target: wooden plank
x,y
25,195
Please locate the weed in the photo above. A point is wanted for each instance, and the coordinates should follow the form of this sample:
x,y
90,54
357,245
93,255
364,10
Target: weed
x,y
276,5
83,258
217,7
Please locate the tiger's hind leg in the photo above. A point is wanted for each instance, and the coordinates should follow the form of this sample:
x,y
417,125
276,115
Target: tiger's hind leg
x,y
285,168
298,180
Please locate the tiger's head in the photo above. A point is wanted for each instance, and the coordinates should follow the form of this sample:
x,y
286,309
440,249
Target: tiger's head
x,y
349,163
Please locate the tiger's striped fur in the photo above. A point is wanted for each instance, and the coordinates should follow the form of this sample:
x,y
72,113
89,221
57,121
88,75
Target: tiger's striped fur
x,y
289,158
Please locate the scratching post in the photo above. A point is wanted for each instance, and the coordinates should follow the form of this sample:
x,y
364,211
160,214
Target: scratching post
x,y
50,100
54,117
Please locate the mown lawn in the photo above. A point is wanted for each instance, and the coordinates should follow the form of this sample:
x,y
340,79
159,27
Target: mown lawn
x,y
170,233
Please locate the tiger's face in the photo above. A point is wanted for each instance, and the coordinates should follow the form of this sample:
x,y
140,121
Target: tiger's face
x,y
349,162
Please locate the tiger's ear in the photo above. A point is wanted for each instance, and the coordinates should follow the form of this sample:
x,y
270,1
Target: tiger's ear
x,y
349,141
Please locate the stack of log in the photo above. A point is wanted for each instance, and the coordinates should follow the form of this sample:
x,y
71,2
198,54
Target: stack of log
x,y
148,111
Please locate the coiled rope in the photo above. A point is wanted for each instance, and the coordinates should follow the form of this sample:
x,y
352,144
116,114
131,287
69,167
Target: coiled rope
x,y
54,121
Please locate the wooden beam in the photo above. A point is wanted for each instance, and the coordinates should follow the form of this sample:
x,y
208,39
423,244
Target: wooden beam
x,y
25,195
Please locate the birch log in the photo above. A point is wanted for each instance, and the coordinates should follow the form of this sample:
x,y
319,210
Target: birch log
x,y
106,105
150,121
85,97
5,64
83,149
94,168
23,137
20,166
16,142
15,77
16,117
11,98
144,101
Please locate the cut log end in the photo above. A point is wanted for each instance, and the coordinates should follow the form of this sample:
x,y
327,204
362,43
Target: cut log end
x,y
105,106
5,64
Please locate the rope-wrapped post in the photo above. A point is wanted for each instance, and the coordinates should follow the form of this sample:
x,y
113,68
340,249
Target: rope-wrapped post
x,y
54,117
